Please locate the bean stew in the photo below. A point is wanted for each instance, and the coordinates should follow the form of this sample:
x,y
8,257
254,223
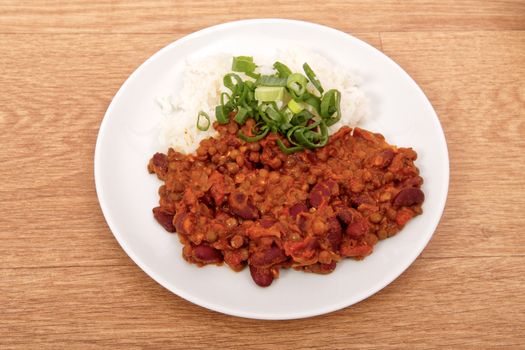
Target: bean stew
x,y
249,204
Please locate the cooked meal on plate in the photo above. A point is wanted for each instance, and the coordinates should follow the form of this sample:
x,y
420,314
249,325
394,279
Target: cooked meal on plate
x,y
275,175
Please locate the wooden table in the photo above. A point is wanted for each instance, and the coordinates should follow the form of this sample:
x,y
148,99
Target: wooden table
x,y
66,283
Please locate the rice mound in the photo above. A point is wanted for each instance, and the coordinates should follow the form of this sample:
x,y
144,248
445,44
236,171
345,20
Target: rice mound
x,y
202,86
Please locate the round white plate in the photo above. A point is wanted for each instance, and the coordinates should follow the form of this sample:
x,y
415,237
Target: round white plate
x,y
127,193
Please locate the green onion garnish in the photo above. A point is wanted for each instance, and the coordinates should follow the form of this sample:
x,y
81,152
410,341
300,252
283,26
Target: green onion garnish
x,y
271,80
228,82
301,117
331,107
313,101
242,115
269,93
221,115
295,106
296,84
313,78
289,150
243,64
263,132
282,69
203,121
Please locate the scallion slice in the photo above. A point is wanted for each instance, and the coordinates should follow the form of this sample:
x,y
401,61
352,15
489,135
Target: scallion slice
x,y
203,121
331,107
263,132
313,101
313,78
288,150
271,80
282,69
295,106
302,118
243,64
269,93
221,115
228,81
296,84
241,116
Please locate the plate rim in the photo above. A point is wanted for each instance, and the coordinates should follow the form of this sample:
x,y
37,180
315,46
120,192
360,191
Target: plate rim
x,y
217,307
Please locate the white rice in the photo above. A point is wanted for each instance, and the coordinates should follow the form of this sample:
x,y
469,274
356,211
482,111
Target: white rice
x,y
202,85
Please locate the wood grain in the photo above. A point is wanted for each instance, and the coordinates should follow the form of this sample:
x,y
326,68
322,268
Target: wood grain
x,y
452,300
66,283
169,16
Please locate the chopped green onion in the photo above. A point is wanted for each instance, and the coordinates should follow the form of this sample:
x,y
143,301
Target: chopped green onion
x,y
296,84
289,134
288,150
241,116
223,95
221,115
295,106
203,126
270,80
244,95
270,115
228,82
331,107
313,78
307,138
244,58
264,131
269,93
313,101
282,69
301,118
252,75
243,64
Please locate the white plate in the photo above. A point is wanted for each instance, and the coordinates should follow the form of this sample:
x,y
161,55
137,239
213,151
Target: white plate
x,y
127,193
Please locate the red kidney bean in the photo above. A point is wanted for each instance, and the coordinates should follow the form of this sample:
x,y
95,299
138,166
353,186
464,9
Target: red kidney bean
x,y
357,228
241,205
164,218
267,257
207,254
263,277
409,196
335,233
297,208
